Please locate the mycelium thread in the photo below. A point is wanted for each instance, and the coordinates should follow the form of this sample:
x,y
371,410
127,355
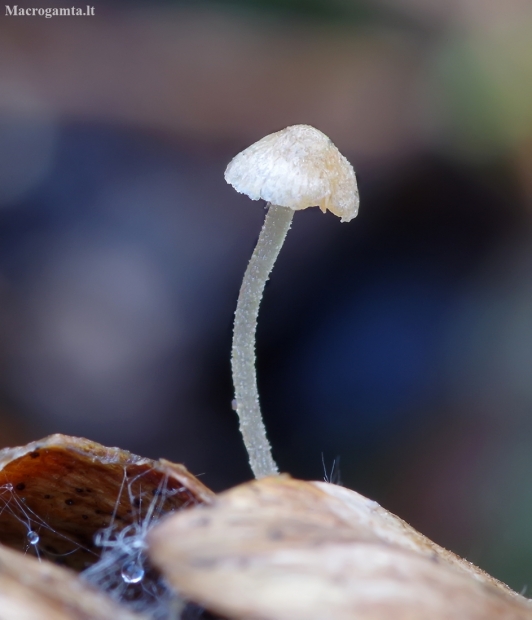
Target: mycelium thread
x,y
276,225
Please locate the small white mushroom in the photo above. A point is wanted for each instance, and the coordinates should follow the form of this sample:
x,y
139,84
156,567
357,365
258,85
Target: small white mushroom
x,y
298,167
292,169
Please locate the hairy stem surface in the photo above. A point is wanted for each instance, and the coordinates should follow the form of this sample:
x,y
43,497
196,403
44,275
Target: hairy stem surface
x,y
276,225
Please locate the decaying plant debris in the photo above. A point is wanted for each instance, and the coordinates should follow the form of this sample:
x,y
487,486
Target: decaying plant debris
x,y
272,549
32,590
65,489
283,549
56,496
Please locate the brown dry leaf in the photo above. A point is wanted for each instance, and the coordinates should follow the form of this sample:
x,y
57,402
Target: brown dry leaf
x,y
66,489
283,549
33,590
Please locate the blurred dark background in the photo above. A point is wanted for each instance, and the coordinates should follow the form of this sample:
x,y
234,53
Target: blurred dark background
x,y
401,342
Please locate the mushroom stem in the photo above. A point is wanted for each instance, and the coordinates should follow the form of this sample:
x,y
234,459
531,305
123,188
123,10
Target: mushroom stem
x,y
271,238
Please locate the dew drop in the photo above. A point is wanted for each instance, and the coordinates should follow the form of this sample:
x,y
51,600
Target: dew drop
x,y
234,405
33,537
132,572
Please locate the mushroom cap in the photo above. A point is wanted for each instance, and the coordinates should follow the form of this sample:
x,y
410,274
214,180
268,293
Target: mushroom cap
x,y
297,167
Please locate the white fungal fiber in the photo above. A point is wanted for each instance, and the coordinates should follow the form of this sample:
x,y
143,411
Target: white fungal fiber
x,y
34,526
119,564
123,570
